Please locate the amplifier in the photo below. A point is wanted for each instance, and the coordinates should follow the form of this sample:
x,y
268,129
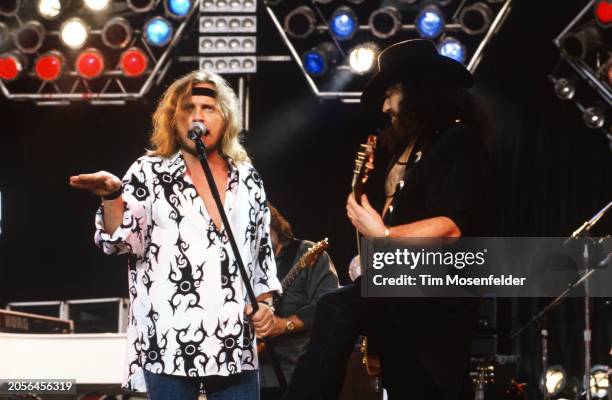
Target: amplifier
x,y
20,322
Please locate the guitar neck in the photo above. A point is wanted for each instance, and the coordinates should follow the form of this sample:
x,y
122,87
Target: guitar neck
x,y
358,191
291,276
307,259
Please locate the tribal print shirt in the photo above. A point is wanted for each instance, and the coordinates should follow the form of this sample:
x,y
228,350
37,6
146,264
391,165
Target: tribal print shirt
x,y
186,294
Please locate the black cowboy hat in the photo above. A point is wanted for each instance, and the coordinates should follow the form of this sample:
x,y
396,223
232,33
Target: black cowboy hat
x,y
413,59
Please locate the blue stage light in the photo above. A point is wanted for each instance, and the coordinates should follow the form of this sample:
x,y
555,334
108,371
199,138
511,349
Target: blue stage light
x,y
158,31
344,23
178,8
318,60
314,62
452,48
430,22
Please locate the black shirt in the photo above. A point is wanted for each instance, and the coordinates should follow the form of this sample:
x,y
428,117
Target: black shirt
x,y
452,178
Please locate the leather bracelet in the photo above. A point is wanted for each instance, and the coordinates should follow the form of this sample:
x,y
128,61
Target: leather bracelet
x,y
114,195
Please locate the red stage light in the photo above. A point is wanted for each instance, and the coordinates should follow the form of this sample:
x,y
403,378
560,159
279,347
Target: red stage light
x,y
134,62
49,66
603,13
11,66
90,63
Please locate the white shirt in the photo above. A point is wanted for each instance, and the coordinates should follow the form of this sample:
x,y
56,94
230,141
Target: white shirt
x,y
186,295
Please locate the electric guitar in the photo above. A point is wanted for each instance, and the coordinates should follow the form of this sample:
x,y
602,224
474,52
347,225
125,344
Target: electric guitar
x,y
307,260
364,164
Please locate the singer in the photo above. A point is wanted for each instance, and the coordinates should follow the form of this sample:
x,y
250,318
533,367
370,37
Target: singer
x,y
188,330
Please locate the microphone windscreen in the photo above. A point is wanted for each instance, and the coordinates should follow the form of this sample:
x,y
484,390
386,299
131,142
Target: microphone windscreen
x,y
198,127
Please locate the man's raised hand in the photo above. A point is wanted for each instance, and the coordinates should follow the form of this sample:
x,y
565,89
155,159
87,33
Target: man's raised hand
x,y
101,183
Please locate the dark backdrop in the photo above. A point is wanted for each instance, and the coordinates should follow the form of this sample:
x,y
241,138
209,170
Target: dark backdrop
x,y
552,172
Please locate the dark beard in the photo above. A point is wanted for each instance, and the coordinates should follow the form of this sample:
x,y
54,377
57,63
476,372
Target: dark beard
x,y
396,137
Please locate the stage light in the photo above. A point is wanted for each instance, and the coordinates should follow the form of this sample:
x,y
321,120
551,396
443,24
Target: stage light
x,y
49,66
97,5
74,33
603,13
430,22
600,381
553,380
579,44
49,9
227,44
476,18
452,48
11,66
232,6
363,58
141,6
158,31
133,62
117,33
385,22
320,59
343,23
225,24
594,117
9,8
300,22
5,34
565,89
178,8
29,37
229,65
90,63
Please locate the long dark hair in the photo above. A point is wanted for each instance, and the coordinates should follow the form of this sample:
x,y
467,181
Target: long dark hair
x,y
428,106
280,225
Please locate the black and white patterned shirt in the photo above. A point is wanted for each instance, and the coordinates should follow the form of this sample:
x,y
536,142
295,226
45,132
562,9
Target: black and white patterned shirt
x,y
186,295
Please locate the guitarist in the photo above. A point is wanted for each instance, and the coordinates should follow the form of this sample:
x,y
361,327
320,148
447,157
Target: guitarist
x,y
295,308
437,185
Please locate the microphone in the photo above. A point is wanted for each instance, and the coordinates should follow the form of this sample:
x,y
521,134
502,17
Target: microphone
x,y
196,130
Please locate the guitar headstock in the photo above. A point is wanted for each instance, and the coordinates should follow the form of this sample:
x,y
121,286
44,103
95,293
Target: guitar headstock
x,y
313,253
364,164
483,375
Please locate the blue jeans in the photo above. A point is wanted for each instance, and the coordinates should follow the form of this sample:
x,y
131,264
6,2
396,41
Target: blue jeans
x,y
243,386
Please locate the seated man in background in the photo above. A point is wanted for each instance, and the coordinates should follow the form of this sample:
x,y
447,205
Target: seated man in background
x,y
295,308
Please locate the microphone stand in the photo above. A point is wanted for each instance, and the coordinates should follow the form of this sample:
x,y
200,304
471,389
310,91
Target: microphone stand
x,y
201,149
583,230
